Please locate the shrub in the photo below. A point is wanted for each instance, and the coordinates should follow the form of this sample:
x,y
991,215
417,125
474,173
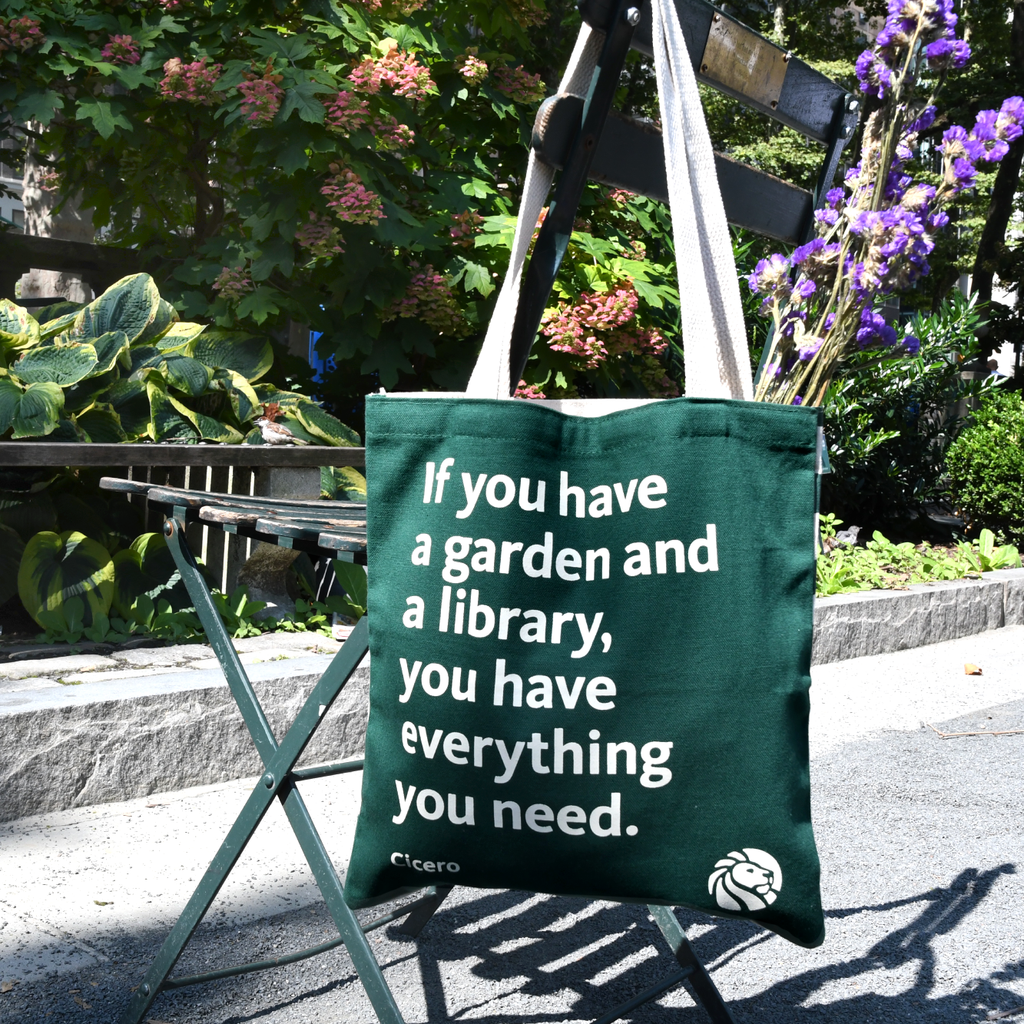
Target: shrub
x,y
889,424
986,468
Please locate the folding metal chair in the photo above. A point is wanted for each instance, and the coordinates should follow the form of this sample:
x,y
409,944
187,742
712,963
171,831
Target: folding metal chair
x,y
584,139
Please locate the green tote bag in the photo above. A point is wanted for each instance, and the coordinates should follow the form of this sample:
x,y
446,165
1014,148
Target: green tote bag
x,y
590,626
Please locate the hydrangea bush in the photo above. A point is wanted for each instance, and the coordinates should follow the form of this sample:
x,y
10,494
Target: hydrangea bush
x,y
877,229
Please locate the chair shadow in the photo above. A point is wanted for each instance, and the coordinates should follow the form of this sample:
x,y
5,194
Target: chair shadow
x,y
535,952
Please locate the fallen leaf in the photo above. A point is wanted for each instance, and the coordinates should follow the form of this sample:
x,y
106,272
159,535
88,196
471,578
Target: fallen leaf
x,y
82,1003
6,987
103,903
971,670
72,991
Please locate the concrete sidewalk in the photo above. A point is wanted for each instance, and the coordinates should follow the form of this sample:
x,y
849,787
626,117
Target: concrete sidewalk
x,y
920,839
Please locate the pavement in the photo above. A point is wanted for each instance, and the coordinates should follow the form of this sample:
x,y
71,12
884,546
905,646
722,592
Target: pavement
x,y
921,840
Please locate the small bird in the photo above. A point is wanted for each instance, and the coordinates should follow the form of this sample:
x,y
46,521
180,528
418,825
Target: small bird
x,y
273,432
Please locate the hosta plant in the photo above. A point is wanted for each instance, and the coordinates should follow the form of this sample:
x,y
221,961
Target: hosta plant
x,y
124,368
66,581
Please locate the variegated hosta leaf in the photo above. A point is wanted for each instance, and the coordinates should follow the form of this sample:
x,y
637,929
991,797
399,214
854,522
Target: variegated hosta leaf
x,y
232,350
56,318
57,568
102,424
32,412
165,318
166,422
80,396
343,483
109,348
128,398
186,374
324,426
244,402
130,305
18,328
179,335
209,428
57,364
145,356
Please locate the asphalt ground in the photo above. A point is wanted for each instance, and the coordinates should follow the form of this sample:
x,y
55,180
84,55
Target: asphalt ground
x,y
921,840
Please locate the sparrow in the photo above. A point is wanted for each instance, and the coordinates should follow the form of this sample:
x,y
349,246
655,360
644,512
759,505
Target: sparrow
x,y
275,433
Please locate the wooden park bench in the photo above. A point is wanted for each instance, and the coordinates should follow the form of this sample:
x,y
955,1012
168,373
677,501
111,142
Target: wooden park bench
x,y
584,139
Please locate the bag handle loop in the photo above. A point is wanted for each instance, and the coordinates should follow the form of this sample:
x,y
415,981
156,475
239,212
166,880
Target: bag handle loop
x,y
716,359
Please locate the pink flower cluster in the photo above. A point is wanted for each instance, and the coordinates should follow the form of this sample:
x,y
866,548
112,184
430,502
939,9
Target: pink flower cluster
x,y
350,200
467,227
602,327
192,83
48,180
19,34
472,69
348,113
428,297
121,50
399,71
233,283
261,99
524,390
320,236
391,134
519,85
621,196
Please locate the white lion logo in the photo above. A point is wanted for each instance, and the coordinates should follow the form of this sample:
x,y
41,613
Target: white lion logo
x,y
750,880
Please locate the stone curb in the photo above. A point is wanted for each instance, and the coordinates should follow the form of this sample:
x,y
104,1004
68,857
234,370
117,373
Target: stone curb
x,y
882,621
71,746
118,738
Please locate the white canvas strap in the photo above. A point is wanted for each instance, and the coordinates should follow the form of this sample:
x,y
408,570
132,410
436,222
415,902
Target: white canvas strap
x,y
714,338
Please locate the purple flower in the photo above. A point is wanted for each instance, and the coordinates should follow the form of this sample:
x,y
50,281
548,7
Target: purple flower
x,y
805,289
874,331
985,125
834,196
911,345
996,151
809,349
1011,114
956,142
829,321
965,174
923,122
947,53
873,74
798,400
801,252
829,217
770,275
937,221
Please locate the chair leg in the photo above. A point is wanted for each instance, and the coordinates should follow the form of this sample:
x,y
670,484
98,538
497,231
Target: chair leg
x,y
417,920
699,981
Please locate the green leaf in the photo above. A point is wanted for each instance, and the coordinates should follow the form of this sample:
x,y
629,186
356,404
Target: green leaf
x,y
246,354
478,278
18,328
302,97
109,349
187,374
146,572
56,318
166,422
128,305
342,483
102,425
244,402
38,411
353,581
325,427
38,106
10,399
60,364
65,580
164,318
105,115
179,335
